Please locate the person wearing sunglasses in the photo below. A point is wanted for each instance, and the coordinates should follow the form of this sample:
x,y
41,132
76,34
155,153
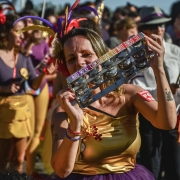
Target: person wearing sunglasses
x,y
160,149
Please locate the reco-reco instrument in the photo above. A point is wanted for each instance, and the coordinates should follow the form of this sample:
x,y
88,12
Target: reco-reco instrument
x,y
116,67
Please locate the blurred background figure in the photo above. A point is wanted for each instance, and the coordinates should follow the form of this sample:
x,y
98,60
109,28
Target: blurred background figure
x,y
173,27
15,69
123,29
28,6
160,150
36,47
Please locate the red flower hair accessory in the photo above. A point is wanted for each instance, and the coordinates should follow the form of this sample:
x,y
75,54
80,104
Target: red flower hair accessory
x,y
2,18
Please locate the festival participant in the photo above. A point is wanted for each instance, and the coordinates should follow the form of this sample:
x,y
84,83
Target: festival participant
x,y
35,46
115,118
14,111
101,141
153,21
123,29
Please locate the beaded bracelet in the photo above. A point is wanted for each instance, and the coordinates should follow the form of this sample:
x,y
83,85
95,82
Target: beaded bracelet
x,y
74,132
71,138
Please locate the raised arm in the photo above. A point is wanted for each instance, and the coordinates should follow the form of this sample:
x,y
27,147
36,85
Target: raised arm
x,y
162,114
65,149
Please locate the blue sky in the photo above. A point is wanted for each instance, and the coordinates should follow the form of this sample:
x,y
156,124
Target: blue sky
x,y
112,4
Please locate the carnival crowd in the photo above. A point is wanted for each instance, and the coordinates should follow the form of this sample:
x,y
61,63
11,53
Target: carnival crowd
x,y
136,138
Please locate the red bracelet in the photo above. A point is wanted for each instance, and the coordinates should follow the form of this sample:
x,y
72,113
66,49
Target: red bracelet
x,y
74,132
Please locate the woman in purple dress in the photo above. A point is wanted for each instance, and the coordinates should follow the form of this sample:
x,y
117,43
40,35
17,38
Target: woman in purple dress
x,y
15,68
36,47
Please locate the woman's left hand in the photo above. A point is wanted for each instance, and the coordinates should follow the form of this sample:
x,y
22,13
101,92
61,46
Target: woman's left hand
x,y
155,44
51,68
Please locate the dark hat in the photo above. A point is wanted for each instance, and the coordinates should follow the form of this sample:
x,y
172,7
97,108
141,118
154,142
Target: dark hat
x,y
152,15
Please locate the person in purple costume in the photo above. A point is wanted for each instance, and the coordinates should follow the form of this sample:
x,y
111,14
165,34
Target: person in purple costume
x,y
36,47
14,111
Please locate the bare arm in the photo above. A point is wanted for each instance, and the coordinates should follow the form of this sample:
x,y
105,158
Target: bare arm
x,y
162,114
64,149
51,77
36,83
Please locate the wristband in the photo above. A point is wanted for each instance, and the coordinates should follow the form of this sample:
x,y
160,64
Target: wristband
x,y
71,138
74,132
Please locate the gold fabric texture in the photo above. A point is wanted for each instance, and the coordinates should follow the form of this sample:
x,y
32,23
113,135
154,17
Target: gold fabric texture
x,y
116,152
14,117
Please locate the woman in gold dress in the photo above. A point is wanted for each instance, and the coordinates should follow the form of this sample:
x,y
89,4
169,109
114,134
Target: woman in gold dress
x,y
101,141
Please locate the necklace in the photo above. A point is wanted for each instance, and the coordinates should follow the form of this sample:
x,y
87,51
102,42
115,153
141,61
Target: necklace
x,y
14,69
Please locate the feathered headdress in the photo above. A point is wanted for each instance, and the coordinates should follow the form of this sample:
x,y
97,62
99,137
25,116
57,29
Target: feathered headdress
x,y
63,26
8,6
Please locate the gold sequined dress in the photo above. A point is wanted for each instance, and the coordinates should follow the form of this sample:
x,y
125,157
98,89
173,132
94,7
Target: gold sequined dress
x,y
109,144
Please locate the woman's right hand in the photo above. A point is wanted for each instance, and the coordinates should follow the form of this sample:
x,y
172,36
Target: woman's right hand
x,y
12,88
74,112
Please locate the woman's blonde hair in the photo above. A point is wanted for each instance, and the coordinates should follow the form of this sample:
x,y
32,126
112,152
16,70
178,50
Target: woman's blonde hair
x,y
97,43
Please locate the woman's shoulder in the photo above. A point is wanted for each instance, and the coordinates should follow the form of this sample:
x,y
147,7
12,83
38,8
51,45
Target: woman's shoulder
x,y
131,89
23,57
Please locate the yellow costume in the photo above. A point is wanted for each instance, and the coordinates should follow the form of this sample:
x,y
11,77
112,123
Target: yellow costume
x,y
116,145
14,117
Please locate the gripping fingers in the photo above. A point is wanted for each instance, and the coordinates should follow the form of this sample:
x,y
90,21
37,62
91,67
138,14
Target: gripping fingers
x,y
155,45
65,98
157,39
14,88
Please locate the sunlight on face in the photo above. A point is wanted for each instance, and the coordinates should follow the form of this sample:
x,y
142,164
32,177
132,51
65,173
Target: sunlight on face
x,y
14,37
78,53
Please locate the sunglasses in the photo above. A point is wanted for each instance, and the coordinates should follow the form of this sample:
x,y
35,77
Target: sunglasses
x,y
153,27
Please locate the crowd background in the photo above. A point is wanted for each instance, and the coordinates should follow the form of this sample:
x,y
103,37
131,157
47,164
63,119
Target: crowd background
x,y
114,27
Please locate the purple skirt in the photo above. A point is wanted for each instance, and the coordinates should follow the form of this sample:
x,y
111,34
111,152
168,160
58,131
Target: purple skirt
x,y
138,173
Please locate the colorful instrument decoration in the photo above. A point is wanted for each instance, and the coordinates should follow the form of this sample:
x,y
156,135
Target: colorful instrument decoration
x,y
116,67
